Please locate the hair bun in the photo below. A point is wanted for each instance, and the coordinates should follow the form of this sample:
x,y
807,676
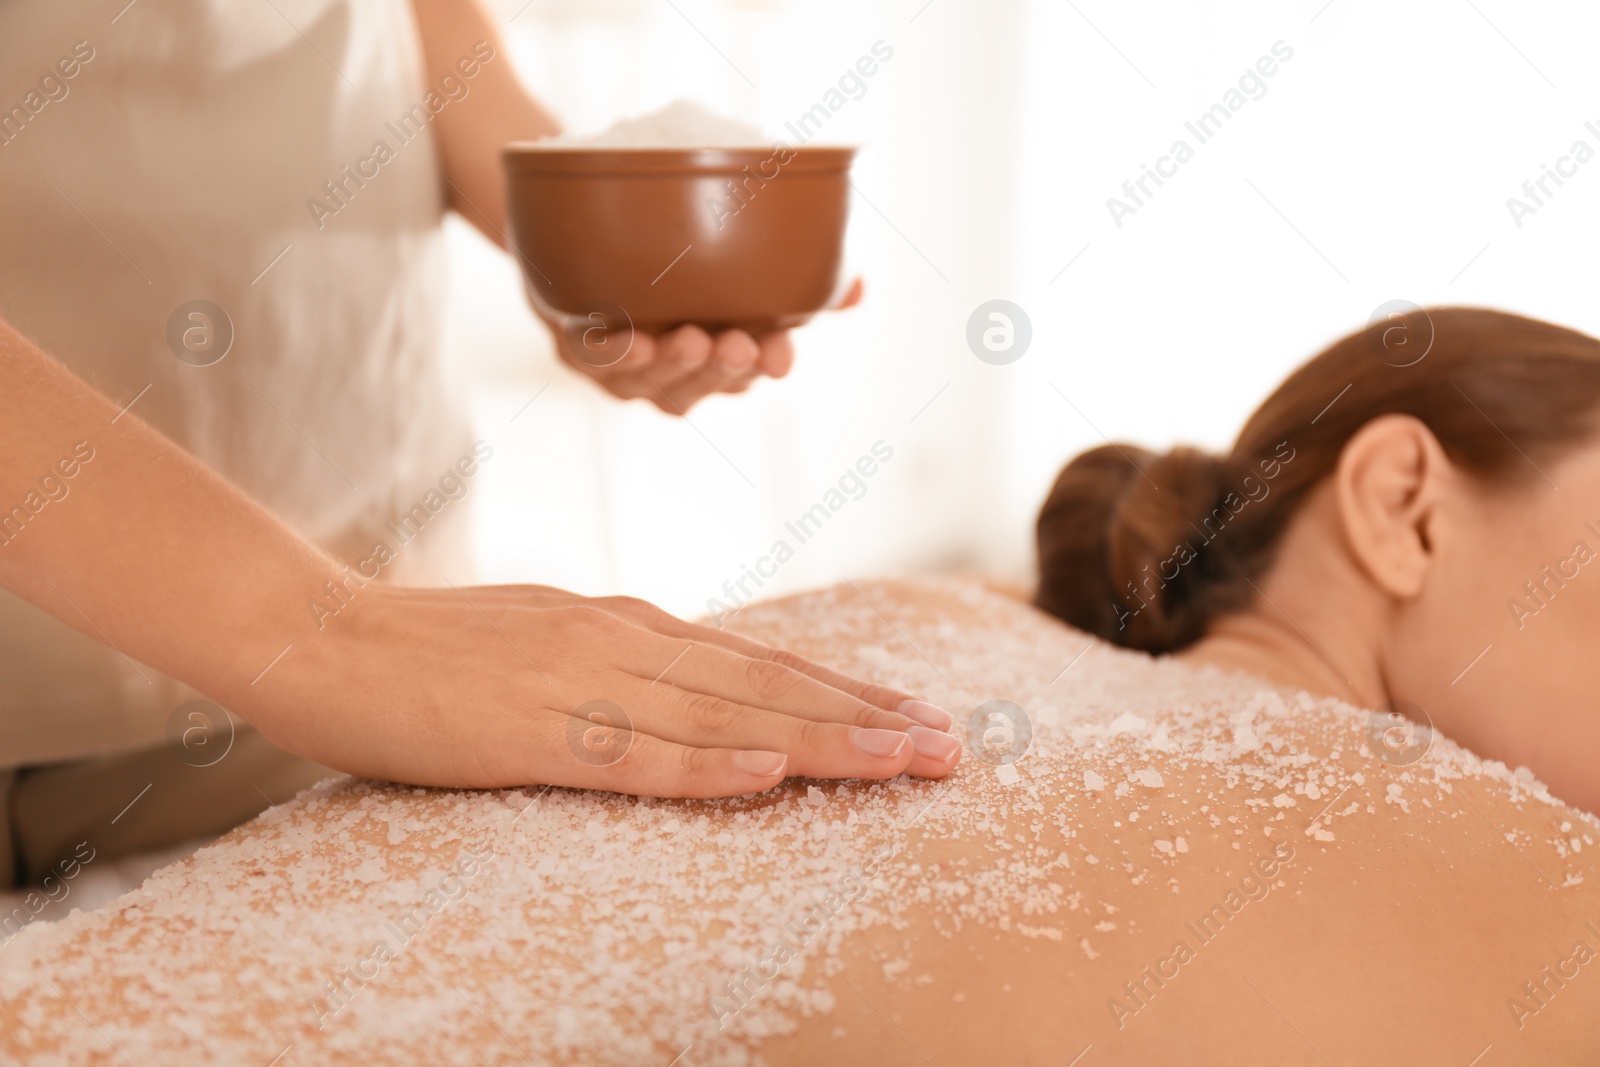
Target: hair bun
x,y
1122,549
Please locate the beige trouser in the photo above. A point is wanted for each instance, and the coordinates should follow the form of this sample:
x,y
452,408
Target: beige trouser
x,y
139,801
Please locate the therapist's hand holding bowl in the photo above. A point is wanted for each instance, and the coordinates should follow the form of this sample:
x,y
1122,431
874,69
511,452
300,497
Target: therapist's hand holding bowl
x,y
669,274
677,369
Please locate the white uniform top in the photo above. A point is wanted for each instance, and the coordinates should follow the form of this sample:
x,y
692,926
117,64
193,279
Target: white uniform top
x,y
176,163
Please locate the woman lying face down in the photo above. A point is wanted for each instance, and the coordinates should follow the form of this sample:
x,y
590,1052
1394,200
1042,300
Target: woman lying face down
x,y
1409,524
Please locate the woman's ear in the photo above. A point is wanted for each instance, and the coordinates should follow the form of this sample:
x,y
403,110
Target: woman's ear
x,y
1388,484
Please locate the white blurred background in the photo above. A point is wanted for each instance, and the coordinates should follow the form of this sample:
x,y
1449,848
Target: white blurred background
x,y
1376,166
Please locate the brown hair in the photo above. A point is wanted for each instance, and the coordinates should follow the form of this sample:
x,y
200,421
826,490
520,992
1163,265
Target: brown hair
x,y
1146,550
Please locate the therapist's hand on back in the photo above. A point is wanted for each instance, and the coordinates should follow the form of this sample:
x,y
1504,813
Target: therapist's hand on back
x,y
510,685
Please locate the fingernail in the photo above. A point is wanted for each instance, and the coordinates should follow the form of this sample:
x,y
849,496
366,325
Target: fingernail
x,y
929,715
760,764
935,744
881,743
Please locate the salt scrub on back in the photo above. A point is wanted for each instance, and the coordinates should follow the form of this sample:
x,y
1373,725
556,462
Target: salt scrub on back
x,y
681,124
601,929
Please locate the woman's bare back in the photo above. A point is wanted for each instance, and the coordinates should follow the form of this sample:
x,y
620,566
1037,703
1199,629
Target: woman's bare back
x,y
1136,863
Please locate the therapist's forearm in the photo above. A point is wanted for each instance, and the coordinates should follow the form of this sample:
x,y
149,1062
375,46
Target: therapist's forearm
x,y
141,545
495,110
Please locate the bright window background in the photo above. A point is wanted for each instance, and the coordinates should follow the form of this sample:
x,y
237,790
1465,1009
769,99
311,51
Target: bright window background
x,y
1376,166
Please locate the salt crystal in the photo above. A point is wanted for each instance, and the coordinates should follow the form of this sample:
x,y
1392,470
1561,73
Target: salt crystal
x,y
1128,723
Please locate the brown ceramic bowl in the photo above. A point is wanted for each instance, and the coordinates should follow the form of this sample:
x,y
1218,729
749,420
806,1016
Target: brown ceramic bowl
x,y
660,236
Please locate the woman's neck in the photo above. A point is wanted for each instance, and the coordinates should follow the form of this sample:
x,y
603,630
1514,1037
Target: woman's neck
x,y
1275,650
